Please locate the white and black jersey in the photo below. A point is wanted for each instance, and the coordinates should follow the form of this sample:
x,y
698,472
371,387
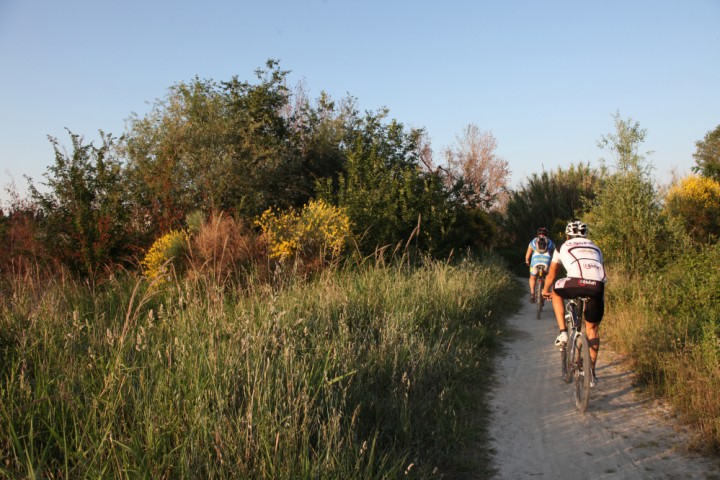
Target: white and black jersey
x,y
582,259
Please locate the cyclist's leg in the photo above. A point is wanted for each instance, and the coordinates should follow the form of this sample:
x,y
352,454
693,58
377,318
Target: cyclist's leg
x,y
533,278
560,292
559,310
532,284
556,297
593,316
592,330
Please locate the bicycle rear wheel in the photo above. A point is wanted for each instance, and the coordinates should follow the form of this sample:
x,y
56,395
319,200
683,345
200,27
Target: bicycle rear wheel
x,y
582,373
539,300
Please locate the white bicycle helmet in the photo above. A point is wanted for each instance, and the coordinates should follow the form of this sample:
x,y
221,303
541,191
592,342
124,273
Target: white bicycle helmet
x,y
576,229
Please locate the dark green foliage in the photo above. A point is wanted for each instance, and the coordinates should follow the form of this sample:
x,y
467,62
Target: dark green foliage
x,y
266,163
452,226
321,132
380,183
241,147
391,202
216,147
549,200
85,218
707,155
694,295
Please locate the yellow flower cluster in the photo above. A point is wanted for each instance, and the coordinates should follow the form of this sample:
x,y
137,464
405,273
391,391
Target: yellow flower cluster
x,y
701,191
695,201
318,229
165,248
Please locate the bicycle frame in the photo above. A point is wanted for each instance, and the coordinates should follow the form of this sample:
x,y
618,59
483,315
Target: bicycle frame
x,y
571,308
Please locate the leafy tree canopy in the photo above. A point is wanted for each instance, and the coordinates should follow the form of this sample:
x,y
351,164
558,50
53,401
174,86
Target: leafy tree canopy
x,y
707,155
215,146
85,218
626,219
550,200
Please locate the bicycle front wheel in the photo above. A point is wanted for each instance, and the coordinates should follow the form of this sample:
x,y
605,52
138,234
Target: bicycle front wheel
x,y
582,373
566,355
564,364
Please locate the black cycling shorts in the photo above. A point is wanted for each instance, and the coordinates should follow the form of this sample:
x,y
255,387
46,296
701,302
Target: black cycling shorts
x,y
577,287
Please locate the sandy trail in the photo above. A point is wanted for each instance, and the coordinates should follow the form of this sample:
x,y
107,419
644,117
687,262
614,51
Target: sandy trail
x,y
538,433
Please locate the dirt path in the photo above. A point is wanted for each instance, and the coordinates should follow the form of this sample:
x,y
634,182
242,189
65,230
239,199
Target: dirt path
x,y
538,433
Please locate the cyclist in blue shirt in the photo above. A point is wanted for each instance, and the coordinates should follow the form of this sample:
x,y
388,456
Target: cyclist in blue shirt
x,y
539,252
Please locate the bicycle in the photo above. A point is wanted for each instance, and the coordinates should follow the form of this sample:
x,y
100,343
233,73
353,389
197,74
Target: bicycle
x,y
575,355
539,284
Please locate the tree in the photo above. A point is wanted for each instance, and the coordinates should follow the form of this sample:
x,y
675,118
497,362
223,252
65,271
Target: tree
x,y
266,164
321,131
549,199
210,146
178,155
85,218
387,194
626,219
20,248
378,186
476,162
707,155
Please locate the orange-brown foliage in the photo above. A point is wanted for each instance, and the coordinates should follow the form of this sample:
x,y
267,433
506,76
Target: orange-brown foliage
x,y
225,246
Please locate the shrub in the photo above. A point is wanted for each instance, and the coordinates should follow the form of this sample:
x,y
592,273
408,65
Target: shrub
x,y
167,248
318,231
85,217
20,246
681,307
222,244
695,201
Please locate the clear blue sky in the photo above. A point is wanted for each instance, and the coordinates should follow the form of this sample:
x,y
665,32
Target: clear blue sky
x,y
545,77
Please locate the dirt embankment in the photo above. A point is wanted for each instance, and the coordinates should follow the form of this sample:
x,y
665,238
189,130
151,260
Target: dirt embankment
x,y
538,432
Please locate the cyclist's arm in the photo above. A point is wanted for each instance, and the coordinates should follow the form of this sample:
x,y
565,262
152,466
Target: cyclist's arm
x,y
550,278
528,254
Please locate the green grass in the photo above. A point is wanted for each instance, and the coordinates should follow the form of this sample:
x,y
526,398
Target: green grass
x,y
365,372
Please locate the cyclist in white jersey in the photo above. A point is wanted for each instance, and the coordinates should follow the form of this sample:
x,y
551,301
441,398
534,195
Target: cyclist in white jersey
x,y
585,268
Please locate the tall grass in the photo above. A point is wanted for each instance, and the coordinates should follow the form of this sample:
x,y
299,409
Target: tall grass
x,y
669,325
367,372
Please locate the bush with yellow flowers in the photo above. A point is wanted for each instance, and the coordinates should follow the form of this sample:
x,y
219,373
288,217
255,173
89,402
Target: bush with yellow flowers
x,y
695,201
319,230
167,248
